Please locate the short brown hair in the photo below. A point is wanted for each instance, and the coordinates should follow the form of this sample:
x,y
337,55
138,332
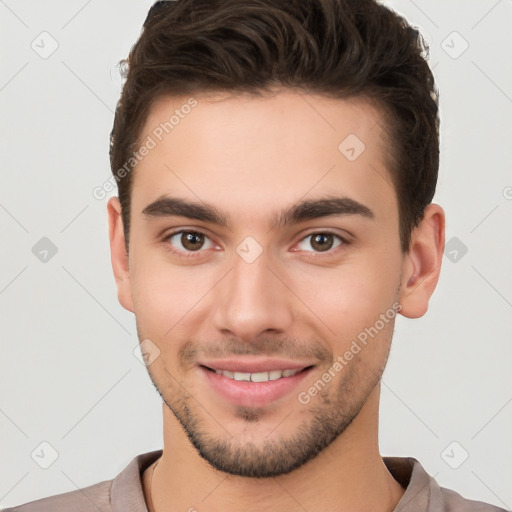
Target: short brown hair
x,y
337,48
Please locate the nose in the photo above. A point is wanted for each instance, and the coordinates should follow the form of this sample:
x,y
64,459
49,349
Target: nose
x,y
253,299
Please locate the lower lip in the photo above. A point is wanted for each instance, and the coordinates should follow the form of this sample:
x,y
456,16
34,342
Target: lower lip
x,y
253,394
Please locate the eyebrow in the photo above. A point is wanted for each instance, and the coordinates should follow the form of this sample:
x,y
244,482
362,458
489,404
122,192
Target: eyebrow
x,y
167,206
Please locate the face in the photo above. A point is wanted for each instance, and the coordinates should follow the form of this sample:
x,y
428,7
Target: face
x,y
264,269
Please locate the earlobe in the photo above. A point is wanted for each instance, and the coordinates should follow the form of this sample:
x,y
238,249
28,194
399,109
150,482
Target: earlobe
x,y
422,264
118,254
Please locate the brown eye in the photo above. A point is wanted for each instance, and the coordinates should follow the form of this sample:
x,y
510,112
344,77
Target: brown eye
x,y
192,241
320,242
189,241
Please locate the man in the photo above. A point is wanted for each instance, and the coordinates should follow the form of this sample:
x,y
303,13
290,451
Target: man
x,y
276,162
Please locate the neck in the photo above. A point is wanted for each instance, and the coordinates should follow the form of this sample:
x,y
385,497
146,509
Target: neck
x,y
350,474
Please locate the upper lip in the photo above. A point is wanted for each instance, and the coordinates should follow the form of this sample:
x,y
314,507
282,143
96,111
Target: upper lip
x,y
247,365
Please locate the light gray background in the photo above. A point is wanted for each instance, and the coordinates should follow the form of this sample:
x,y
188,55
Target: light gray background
x,y
68,374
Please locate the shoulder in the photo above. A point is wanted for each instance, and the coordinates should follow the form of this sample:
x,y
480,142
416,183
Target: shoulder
x,y
454,502
123,493
424,494
95,498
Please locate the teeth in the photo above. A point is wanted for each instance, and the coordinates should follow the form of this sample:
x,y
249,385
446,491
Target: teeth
x,y
242,376
257,377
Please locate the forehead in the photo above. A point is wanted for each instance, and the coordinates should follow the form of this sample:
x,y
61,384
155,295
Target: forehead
x,y
252,152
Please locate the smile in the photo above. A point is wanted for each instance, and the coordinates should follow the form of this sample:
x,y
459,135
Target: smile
x,y
256,377
255,385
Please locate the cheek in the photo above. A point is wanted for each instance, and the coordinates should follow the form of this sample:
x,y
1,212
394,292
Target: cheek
x,y
351,297
154,292
165,295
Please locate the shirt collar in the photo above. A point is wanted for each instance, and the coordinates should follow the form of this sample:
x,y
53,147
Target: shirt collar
x,y
422,494
420,488
126,493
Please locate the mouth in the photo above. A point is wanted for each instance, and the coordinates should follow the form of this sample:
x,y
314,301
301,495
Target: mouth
x,y
263,376
254,385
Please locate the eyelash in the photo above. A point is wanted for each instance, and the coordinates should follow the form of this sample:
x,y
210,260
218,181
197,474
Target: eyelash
x,y
195,254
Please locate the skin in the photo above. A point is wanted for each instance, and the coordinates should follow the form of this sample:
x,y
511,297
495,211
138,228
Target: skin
x,y
251,157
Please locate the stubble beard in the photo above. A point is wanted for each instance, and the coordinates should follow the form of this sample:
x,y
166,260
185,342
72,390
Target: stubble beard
x,y
327,416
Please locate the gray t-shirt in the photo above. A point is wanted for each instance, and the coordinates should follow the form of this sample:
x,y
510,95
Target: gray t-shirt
x,y
124,493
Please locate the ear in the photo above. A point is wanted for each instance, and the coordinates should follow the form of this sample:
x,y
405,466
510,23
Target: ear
x,y
422,263
118,254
